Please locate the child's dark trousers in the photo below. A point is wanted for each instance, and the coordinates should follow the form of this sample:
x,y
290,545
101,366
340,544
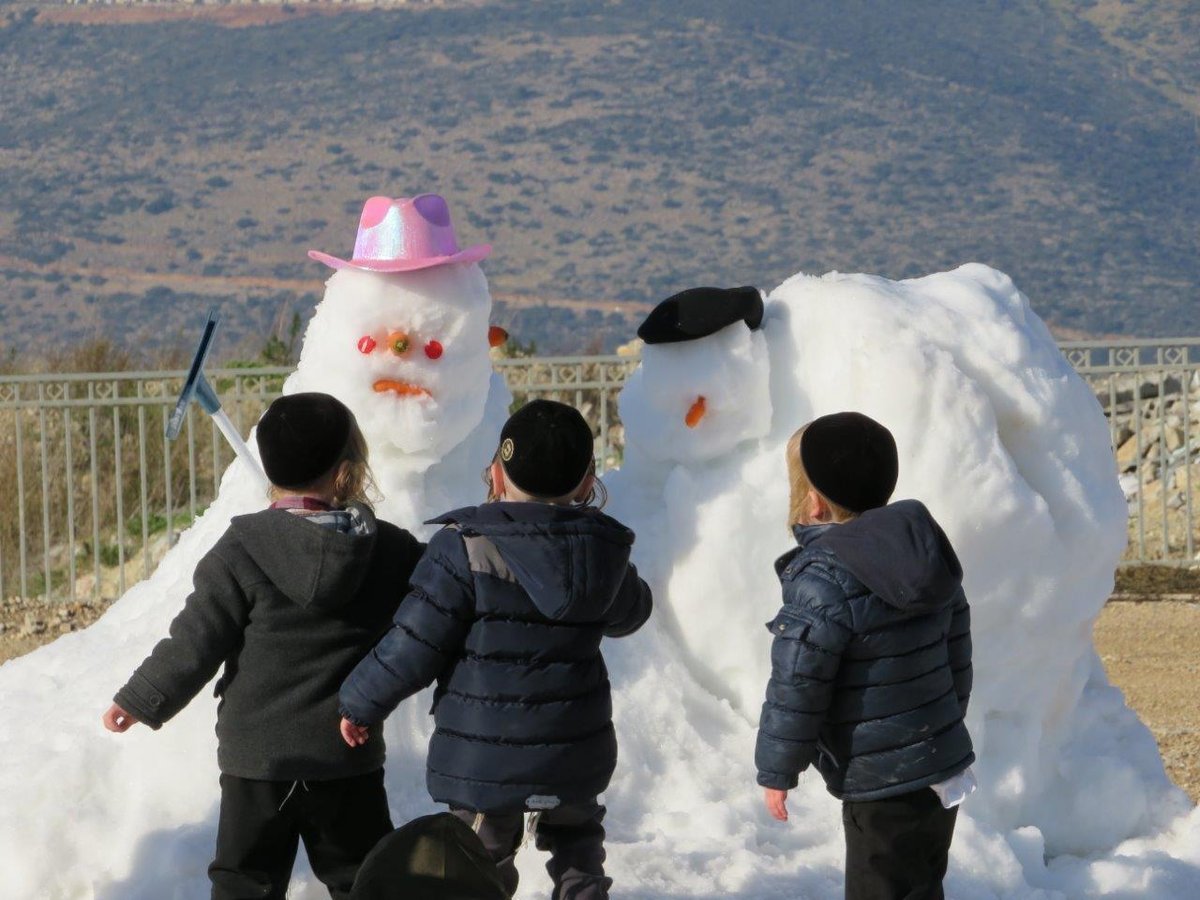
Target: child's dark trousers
x,y
572,833
262,823
897,848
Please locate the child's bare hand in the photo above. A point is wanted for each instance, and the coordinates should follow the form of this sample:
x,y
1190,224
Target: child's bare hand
x,y
118,720
776,801
354,735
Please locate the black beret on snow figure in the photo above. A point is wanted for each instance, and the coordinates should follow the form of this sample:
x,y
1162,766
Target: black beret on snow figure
x,y
699,312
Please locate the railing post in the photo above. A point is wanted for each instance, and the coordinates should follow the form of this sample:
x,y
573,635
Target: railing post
x,y
18,419
43,441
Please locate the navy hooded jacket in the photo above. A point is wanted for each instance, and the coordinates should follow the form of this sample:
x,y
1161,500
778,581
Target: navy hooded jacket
x,y
506,613
871,662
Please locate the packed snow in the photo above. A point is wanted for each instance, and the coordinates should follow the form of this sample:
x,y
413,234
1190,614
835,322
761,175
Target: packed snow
x,y
996,434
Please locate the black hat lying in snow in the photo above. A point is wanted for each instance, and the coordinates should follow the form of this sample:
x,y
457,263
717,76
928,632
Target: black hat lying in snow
x,y
699,312
435,857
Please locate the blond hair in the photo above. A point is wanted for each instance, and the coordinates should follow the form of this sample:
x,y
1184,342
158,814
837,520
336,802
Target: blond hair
x,y
349,479
799,485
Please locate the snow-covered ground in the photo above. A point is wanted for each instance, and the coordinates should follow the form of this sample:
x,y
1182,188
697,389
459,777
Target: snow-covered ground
x,y
996,434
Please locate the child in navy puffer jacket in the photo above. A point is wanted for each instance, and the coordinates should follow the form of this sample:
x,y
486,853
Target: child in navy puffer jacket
x,y
506,612
871,662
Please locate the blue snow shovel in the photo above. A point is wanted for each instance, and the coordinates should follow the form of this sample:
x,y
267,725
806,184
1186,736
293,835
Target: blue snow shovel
x,y
197,387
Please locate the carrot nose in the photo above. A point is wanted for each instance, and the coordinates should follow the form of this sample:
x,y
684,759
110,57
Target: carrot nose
x,y
695,413
496,335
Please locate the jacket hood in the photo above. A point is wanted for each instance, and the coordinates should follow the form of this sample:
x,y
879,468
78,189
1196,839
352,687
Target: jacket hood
x,y
314,566
899,552
570,560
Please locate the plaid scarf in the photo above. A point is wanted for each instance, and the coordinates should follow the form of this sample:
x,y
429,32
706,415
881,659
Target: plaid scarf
x,y
347,521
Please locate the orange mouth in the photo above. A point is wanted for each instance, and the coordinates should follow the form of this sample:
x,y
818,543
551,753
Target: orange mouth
x,y
400,388
695,413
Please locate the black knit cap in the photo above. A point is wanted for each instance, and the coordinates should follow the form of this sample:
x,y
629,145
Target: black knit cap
x,y
851,459
546,448
699,312
301,437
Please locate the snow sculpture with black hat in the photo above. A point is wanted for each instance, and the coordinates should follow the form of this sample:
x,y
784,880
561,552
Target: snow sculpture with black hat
x,y
1008,448
695,412
703,375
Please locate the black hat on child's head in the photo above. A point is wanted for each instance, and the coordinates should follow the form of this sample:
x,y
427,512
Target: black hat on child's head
x,y
301,437
699,312
546,448
850,459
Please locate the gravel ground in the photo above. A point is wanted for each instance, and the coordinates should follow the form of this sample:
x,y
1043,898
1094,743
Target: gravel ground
x,y
27,624
1151,650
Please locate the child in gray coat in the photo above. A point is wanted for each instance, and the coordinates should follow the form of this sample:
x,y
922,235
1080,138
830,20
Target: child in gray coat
x,y
288,601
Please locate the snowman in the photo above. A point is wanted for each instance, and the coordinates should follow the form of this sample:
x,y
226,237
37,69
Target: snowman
x,y
1008,448
402,338
695,412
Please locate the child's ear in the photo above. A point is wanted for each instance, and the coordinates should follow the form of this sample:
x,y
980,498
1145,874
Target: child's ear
x,y
818,509
498,485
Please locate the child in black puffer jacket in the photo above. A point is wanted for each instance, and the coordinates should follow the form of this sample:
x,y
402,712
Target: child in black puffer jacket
x,y
871,662
507,611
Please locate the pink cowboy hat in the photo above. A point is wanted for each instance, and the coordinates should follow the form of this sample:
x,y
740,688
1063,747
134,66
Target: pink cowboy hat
x,y
404,235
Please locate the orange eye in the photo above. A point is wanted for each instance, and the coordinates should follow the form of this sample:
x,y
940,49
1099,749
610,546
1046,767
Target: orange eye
x,y
398,342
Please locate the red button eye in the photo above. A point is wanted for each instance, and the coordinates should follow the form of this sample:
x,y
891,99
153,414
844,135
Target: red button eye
x,y
366,344
433,349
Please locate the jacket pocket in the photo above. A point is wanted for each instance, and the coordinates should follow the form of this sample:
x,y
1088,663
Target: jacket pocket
x,y
789,633
789,626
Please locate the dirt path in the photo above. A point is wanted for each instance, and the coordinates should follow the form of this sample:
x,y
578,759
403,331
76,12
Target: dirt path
x,y
1151,651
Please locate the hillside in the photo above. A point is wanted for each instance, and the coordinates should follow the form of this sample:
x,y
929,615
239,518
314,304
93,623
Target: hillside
x,y
156,163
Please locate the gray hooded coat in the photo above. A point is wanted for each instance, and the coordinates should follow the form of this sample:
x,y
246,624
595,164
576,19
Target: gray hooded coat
x,y
288,607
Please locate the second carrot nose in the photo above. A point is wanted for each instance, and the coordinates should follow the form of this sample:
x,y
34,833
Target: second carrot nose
x,y
695,413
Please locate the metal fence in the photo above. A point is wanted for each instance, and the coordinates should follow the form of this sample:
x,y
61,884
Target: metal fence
x,y
92,492
93,495
1150,391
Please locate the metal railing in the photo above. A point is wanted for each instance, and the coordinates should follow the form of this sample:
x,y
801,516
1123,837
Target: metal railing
x,y
88,482
93,495
1150,391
